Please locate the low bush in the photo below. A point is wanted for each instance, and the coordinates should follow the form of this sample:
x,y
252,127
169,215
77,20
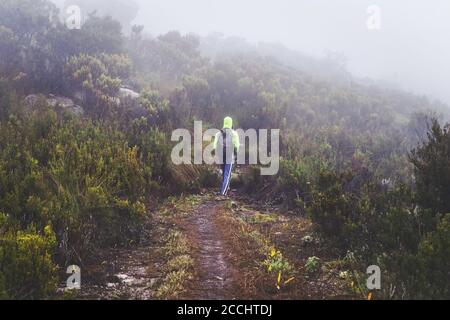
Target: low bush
x,y
27,270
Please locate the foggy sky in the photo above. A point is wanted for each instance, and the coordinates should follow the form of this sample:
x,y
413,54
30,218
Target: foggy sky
x,y
412,49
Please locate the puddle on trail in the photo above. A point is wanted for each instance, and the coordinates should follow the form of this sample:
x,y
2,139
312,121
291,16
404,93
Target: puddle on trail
x,y
125,276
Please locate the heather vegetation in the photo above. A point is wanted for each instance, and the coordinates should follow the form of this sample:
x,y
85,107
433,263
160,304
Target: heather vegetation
x,y
370,166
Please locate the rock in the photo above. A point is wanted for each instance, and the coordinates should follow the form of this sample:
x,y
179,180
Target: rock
x,y
31,100
65,103
122,276
129,280
79,96
53,101
153,282
307,239
125,92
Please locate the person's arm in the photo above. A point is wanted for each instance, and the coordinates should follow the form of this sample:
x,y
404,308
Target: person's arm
x,y
216,140
236,142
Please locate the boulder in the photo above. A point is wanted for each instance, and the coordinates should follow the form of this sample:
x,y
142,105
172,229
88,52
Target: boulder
x,y
65,103
31,100
125,92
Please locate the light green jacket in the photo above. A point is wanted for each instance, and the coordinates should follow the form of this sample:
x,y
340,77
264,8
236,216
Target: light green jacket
x,y
228,124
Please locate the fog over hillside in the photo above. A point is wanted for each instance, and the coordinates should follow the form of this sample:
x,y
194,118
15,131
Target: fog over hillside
x,y
411,50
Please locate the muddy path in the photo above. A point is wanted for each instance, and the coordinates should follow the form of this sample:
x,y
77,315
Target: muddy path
x,y
204,248
123,274
136,273
214,274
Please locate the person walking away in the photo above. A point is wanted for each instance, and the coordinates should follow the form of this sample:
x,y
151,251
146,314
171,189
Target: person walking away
x,y
226,146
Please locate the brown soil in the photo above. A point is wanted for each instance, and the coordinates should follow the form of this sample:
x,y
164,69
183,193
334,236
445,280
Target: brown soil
x,y
227,261
214,274
131,273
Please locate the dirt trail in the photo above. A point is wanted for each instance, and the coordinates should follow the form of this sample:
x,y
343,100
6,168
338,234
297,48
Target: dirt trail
x,y
213,278
124,274
133,273
225,244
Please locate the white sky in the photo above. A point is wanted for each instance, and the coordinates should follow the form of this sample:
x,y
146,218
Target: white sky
x,y
412,48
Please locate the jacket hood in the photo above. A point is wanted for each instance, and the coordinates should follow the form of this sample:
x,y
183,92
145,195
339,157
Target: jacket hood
x,y
228,123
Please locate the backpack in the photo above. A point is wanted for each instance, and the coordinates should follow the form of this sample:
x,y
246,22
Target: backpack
x,y
227,145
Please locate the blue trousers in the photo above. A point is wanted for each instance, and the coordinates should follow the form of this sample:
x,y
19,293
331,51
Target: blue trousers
x,y
227,168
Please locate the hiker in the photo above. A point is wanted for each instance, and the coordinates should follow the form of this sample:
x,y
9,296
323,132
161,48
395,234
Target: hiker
x,y
226,146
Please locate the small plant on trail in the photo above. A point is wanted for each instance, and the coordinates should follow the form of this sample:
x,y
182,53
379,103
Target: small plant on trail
x,y
261,218
173,284
277,263
357,283
179,206
312,264
176,244
183,262
178,267
280,266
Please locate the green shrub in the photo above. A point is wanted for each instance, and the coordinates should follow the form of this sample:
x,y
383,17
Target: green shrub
x,y
337,213
80,176
431,162
434,257
27,270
